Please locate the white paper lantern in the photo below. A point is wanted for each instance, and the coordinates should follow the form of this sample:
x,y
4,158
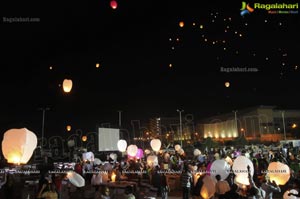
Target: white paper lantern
x,y
220,167
67,85
76,179
122,144
240,165
279,172
132,150
97,161
180,151
113,156
152,160
147,151
197,152
18,145
208,189
155,144
286,196
241,180
177,147
88,156
96,179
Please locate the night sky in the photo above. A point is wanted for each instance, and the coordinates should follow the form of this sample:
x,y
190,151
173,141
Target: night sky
x,y
149,65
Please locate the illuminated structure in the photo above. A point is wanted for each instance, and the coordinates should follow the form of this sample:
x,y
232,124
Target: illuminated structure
x,y
264,123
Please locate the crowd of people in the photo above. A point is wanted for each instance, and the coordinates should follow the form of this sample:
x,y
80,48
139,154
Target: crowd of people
x,y
191,172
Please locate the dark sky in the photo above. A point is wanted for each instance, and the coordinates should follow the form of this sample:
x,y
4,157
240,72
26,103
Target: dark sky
x,y
135,45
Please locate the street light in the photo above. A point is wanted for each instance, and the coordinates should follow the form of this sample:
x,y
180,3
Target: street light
x,y
180,111
43,124
283,123
235,120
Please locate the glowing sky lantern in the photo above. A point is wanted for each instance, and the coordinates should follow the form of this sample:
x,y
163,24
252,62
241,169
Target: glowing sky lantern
x,y
84,138
227,84
155,144
132,150
67,85
279,172
152,160
181,24
69,127
113,4
18,145
88,156
177,147
76,179
122,144
139,154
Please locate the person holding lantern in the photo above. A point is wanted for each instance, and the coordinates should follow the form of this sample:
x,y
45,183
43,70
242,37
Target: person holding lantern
x,y
269,188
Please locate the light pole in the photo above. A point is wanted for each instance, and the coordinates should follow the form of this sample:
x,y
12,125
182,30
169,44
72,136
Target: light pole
x,y
235,121
180,123
283,122
43,124
120,121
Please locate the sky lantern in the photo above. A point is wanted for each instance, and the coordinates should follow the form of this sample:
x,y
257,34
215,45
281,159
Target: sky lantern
x,y
220,167
152,161
67,85
208,188
132,150
240,169
69,127
227,84
155,145
113,4
139,154
177,147
122,144
84,138
279,172
18,145
97,65
197,152
76,179
181,24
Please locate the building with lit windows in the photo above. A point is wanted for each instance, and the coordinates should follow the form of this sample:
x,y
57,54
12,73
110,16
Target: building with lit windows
x,y
264,123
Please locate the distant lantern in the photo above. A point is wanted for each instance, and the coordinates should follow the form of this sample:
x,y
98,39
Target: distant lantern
x,y
84,138
18,145
197,152
113,4
132,150
69,128
155,144
67,85
279,172
177,147
181,24
122,144
227,84
97,65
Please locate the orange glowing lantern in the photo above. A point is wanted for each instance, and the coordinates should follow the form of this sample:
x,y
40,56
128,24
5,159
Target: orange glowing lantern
x,y
69,128
227,84
113,4
18,145
84,138
181,24
67,85
113,177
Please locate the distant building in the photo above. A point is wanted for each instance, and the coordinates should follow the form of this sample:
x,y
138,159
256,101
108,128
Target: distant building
x,y
264,123
168,128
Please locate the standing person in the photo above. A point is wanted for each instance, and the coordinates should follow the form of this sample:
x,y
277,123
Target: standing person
x,y
186,179
222,187
270,188
164,186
